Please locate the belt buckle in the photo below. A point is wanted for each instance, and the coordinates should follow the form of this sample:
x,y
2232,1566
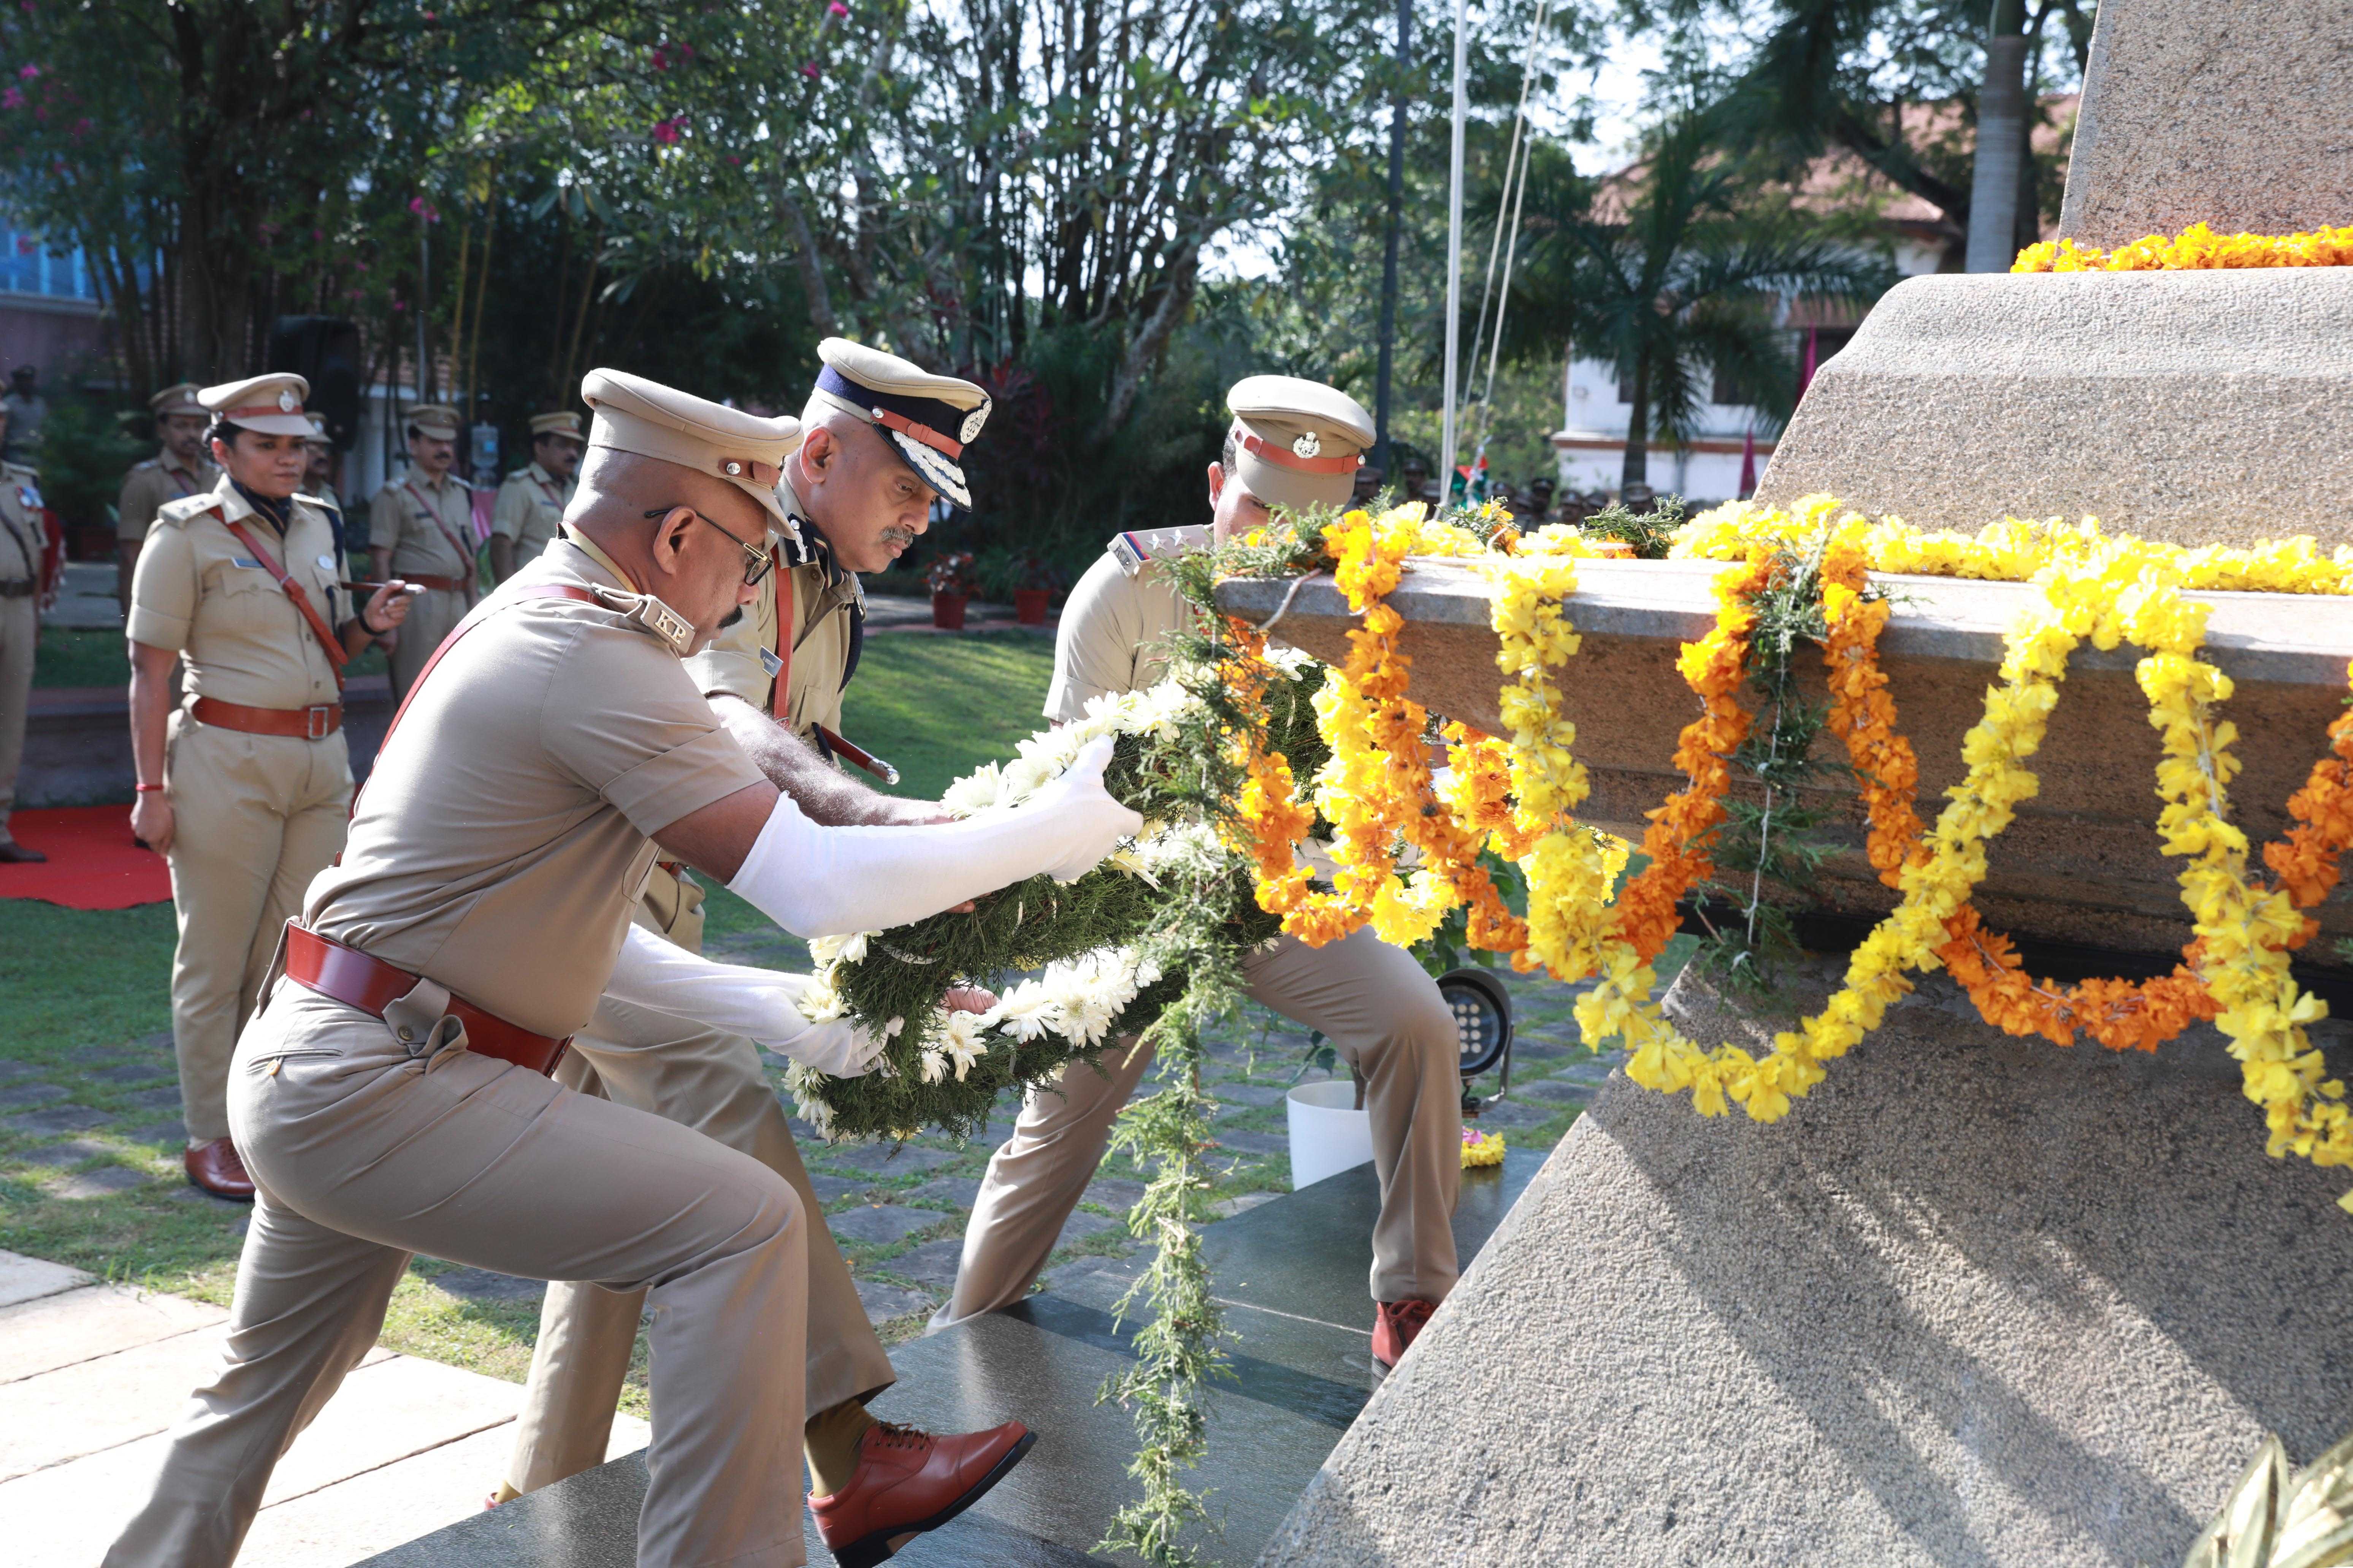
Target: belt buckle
x,y
315,721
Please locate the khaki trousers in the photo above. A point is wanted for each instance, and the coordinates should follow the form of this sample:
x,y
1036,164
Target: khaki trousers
x,y
364,1152
20,637
1384,1017
255,818
712,1083
431,617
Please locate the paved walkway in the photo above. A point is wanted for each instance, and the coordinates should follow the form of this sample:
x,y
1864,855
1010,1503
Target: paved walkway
x,y
91,1375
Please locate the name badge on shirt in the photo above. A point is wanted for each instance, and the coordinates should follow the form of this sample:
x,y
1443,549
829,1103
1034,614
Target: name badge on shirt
x,y
28,496
771,663
241,561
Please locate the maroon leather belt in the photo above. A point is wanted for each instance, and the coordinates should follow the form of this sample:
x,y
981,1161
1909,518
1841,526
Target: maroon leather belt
x,y
439,585
315,722
23,588
351,977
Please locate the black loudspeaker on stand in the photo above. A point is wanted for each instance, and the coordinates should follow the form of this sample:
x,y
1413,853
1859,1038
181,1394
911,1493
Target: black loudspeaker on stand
x,y
325,352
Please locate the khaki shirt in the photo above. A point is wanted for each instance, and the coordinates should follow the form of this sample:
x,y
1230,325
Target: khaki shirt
x,y
529,510
1111,637
200,592
429,529
150,484
821,614
499,847
22,536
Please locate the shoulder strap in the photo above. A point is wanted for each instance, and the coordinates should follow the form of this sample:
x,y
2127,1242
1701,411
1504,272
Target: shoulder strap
x,y
327,640
435,513
457,635
780,697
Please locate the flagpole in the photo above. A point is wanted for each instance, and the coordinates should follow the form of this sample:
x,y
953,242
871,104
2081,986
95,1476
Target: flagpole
x,y
1453,262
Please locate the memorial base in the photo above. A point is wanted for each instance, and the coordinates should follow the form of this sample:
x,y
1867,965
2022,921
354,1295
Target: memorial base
x,y
1976,1301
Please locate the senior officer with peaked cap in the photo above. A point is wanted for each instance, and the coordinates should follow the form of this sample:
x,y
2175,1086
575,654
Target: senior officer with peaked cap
x,y
180,469
392,1095
422,527
530,508
1292,444
245,786
851,495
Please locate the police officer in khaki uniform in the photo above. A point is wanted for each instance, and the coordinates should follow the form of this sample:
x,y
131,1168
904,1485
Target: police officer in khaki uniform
x,y
422,527
25,592
392,1095
530,502
181,470
853,499
1294,444
245,788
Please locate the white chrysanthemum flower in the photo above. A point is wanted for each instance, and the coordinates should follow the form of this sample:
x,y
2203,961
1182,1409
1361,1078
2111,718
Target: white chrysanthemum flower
x,y
975,791
936,1066
962,1036
1024,776
820,1002
828,950
1026,1012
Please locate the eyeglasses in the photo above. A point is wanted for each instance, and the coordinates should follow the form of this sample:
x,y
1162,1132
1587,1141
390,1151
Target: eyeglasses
x,y
757,563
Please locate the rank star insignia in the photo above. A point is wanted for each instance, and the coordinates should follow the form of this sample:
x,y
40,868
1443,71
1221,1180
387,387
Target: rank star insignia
x,y
974,421
287,401
1308,446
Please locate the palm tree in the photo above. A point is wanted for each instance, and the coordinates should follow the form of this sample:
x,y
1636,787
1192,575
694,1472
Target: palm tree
x,y
1681,273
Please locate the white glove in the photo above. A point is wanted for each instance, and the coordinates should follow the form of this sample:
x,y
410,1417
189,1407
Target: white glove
x,y
760,1004
835,881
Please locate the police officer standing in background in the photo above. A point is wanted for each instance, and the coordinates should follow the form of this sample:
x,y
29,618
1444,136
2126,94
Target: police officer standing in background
x,y
25,590
853,499
422,527
246,787
181,469
530,502
1294,444
319,483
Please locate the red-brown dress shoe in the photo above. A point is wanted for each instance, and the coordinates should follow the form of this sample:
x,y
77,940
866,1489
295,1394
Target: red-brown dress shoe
x,y
909,1482
15,854
1395,1325
214,1167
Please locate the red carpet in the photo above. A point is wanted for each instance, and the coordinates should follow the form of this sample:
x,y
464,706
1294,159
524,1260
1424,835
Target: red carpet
x,y
92,865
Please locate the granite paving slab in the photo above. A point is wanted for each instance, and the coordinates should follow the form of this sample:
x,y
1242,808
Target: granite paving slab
x,y
164,1099
1113,1193
174,1133
1513,1114
881,1224
961,1191
69,1153
50,1331
828,1188
934,1263
26,1278
25,1095
104,1182
16,1070
1249,1093
128,1072
1254,1142
1557,1091
887,1303
1082,1227
883,1160
60,1119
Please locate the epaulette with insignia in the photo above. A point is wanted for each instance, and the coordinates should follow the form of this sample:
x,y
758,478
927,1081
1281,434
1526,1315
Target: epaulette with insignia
x,y
180,509
1133,550
150,463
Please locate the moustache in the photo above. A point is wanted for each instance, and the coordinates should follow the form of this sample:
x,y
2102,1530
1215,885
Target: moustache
x,y
898,536
732,617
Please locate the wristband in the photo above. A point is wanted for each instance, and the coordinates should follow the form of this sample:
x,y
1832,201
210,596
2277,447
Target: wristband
x,y
148,789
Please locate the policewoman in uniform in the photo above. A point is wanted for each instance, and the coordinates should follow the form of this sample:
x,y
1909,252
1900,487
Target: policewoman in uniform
x,y
529,508
848,493
392,1096
26,588
421,527
244,788
181,470
1294,444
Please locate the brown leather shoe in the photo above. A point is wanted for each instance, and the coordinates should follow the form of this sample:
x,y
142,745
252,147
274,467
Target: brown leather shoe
x,y
15,854
214,1167
909,1481
1395,1325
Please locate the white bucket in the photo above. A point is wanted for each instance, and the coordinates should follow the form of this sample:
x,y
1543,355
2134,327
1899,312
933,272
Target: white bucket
x,y
1328,1134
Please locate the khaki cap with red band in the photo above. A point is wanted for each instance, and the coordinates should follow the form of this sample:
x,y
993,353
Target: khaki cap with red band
x,y
930,419
566,424
634,415
1297,443
436,420
180,397
269,404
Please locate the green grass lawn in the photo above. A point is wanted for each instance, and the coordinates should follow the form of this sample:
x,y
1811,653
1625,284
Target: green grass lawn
x,y
68,656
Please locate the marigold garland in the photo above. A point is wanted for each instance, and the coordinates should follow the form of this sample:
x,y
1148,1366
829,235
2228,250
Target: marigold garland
x,y
1518,797
2197,247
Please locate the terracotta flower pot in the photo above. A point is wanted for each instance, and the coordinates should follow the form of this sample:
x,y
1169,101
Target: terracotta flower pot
x,y
1029,606
947,611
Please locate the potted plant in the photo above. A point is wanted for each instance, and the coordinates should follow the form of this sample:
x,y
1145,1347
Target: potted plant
x,y
949,578
1034,590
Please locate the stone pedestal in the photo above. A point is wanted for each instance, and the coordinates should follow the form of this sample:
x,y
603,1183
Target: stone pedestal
x,y
1976,1301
